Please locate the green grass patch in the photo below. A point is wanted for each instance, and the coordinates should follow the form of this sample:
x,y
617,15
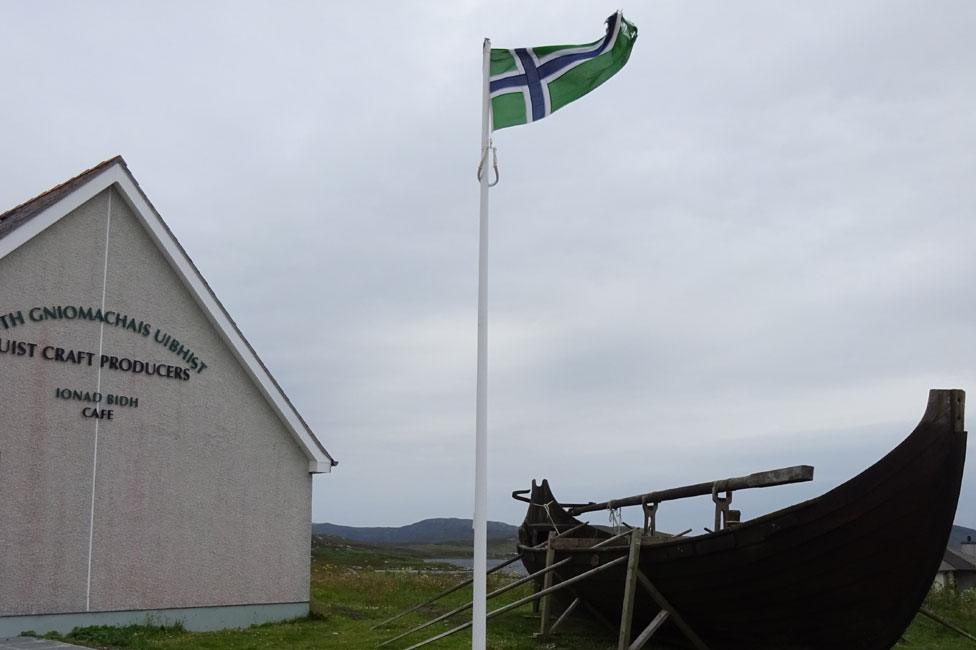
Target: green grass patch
x,y
130,636
958,609
497,548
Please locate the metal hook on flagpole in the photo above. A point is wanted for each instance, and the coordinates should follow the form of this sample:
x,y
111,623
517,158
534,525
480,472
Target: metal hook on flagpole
x,y
494,163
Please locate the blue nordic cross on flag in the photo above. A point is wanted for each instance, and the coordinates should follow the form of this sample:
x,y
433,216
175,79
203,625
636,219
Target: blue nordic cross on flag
x,y
529,83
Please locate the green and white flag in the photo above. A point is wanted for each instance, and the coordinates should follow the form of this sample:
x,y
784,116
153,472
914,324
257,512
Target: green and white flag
x,y
527,84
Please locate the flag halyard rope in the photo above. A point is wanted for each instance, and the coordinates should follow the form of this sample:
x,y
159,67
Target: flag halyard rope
x,y
494,163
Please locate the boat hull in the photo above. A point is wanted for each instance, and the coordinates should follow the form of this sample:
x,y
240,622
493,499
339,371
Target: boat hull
x,y
848,569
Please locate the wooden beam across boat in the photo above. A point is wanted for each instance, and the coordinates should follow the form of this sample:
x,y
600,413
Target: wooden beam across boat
x,y
782,476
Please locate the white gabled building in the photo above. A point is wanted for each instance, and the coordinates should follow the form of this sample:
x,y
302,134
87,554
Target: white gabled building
x,y
149,463
958,568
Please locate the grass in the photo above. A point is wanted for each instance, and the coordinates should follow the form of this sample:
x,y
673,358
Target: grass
x,y
497,548
356,586
958,609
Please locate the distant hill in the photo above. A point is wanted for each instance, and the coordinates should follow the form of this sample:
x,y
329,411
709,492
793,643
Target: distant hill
x,y
446,530
959,534
428,531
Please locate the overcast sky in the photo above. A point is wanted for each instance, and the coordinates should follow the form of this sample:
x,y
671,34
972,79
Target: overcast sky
x,y
753,247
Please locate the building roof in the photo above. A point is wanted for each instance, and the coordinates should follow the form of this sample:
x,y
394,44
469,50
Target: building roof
x,y
953,561
22,223
15,217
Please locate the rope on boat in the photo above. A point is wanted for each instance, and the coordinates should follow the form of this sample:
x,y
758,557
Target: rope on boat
x,y
552,521
545,506
616,519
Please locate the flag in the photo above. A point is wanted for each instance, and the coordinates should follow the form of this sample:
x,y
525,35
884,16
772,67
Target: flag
x,y
527,84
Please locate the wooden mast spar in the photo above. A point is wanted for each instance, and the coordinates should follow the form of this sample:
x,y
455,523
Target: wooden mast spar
x,y
783,476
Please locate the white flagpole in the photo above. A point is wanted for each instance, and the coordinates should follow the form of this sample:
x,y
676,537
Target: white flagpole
x,y
480,609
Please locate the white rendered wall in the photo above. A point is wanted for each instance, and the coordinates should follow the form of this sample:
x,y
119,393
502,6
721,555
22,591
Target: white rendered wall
x,y
201,497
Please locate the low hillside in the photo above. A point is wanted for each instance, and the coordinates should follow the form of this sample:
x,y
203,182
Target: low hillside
x,y
428,531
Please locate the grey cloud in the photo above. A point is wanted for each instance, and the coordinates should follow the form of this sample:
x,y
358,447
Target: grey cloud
x,y
760,229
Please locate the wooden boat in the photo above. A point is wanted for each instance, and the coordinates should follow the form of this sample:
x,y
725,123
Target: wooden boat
x,y
848,569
